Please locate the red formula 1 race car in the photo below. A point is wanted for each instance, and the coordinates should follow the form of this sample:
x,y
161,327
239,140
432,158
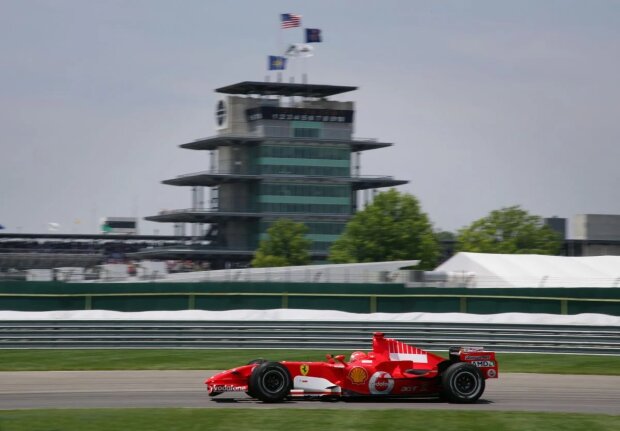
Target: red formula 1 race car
x,y
391,369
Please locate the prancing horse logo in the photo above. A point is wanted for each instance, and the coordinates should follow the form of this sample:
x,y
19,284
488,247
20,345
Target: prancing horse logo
x,y
304,369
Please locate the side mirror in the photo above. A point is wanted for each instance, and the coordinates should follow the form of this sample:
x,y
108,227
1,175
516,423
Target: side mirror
x,y
340,358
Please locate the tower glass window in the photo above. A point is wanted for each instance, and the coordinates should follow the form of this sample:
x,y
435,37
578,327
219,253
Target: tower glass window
x,y
304,159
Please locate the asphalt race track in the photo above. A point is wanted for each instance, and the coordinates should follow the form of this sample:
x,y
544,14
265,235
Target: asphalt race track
x,y
101,389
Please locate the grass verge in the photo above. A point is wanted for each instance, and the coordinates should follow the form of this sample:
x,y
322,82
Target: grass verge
x,y
280,419
194,359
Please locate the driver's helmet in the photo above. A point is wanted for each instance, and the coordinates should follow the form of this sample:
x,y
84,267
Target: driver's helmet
x,y
357,356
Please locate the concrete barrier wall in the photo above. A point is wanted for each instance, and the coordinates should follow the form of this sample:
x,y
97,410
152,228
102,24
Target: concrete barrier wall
x,y
357,298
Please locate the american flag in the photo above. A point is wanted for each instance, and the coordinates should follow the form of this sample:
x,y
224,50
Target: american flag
x,y
290,20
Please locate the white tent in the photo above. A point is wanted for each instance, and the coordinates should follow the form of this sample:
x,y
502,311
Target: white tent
x,y
531,270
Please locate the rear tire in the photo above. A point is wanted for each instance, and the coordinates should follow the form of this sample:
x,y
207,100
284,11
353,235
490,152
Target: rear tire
x,y
462,383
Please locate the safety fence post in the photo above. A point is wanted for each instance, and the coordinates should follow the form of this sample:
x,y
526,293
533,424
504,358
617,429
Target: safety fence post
x,y
463,304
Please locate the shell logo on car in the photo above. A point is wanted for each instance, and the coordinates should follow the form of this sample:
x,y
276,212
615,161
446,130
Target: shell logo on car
x,y
358,375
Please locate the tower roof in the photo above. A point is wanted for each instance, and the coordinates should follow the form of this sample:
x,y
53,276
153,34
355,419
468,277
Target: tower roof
x,y
284,89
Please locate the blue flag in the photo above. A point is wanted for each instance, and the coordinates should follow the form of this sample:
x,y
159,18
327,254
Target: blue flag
x,y
277,63
313,35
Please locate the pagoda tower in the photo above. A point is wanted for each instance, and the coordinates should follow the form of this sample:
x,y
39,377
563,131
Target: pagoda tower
x,y
282,150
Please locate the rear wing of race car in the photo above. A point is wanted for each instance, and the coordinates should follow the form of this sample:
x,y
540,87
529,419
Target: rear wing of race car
x,y
477,356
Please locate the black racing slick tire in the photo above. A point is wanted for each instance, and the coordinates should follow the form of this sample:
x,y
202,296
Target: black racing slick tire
x,y
270,382
462,383
255,362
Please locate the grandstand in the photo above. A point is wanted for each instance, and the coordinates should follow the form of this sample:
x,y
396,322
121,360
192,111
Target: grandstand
x,y
19,252
22,261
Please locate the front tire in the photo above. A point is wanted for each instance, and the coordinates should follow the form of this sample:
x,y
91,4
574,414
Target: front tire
x,y
270,382
462,383
255,362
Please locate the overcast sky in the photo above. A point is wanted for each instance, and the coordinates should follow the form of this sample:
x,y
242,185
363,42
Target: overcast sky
x,y
489,103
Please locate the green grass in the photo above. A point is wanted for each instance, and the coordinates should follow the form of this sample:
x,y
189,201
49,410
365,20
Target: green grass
x,y
297,419
194,359
559,364
141,359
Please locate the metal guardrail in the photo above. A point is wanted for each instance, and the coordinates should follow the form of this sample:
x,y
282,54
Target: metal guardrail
x,y
333,336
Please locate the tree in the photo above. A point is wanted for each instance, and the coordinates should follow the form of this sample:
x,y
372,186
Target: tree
x,y
285,245
444,235
392,227
510,230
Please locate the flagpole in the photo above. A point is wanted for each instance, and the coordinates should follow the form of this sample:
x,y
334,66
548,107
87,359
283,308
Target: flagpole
x,y
279,49
304,75
304,69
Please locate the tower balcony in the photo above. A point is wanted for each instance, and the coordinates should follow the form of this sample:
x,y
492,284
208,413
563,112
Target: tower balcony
x,y
223,140
192,215
216,178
